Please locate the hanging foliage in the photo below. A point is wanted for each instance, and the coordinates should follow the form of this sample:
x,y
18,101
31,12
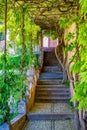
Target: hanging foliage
x,y
18,21
52,34
79,59
20,39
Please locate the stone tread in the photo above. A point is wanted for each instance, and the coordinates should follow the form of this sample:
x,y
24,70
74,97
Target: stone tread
x,y
52,108
55,88
38,94
53,97
55,85
50,90
52,93
52,70
51,101
51,124
51,76
49,82
50,116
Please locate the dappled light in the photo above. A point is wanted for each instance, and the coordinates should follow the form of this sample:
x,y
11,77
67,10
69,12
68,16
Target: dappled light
x,y
43,64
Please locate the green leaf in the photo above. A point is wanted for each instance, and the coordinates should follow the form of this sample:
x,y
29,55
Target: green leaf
x,y
76,67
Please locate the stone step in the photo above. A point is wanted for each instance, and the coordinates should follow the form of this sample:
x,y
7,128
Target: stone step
x,y
53,88
68,124
52,100
49,82
51,76
50,108
52,94
52,69
50,59
52,91
50,116
49,63
54,97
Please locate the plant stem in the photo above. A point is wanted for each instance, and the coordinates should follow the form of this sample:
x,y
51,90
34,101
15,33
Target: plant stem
x,y
5,48
23,48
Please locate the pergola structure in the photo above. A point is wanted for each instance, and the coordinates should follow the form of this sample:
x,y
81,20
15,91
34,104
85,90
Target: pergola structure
x,y
47,13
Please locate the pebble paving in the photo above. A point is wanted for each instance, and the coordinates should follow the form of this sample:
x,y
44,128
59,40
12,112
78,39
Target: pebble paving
x,y
51,108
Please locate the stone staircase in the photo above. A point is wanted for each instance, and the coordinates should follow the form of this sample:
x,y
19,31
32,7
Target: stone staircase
x,y
52,69
50,63
52,93
51,110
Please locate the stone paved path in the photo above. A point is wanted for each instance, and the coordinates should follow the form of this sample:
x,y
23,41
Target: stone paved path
x,y
51,108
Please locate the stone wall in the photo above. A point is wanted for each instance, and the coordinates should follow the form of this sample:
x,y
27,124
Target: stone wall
x,y
33,75
18,122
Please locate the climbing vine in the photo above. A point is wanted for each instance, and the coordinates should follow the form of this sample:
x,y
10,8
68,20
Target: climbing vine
x,y
79,60
17,56
18,23
81,66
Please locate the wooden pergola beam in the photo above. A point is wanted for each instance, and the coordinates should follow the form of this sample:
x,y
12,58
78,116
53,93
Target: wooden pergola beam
x,y
45,11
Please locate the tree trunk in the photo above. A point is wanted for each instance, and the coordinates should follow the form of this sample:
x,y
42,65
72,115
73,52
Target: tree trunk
x,y
61,56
